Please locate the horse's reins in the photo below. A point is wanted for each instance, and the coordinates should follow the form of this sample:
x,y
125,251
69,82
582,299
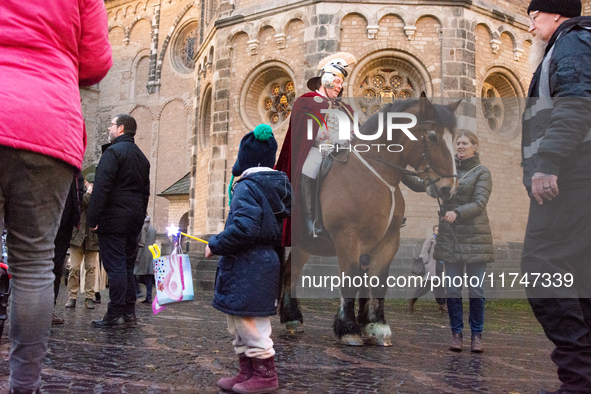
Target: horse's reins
x,y
421,174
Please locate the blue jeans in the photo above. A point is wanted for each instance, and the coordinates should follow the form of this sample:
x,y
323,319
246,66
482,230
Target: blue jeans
x,y
475,293
33,190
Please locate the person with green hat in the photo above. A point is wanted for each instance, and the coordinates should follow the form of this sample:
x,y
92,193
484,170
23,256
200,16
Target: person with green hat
x,y
248,275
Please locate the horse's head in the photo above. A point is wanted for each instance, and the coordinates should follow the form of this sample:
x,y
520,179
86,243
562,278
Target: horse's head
x,y
433,154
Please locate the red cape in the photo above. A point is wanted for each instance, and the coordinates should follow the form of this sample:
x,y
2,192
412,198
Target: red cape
x,y
297,145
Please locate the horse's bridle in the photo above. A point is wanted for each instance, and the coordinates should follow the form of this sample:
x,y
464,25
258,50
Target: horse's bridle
x,y
422,174
430,165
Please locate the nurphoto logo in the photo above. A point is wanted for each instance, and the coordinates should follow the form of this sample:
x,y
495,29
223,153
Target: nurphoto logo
x,y
345,127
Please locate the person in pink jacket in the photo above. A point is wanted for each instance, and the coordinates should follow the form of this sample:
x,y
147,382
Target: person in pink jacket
x,y
48,49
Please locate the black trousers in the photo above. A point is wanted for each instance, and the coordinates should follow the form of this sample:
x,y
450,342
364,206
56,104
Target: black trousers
x,y
558,244
62,244
118,252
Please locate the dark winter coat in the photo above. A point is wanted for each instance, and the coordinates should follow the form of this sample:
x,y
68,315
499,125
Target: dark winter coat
x,y
144,261
471,228
556,136
83,234
71,214
121,189
247,279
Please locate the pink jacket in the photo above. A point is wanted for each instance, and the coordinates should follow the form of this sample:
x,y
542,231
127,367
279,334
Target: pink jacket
x,y
48,48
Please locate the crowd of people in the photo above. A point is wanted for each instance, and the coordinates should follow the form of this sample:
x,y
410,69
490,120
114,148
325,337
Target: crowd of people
x,y
47,206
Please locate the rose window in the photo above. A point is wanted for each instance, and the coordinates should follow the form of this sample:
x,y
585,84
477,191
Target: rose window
x,y
189,49
492,107
278,101
382,86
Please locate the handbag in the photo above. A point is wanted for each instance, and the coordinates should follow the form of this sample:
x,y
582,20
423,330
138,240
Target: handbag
x,y
418,267
172,276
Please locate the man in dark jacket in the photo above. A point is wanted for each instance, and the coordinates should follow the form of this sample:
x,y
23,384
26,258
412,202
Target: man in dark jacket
x,y
247,279
556,172
116,212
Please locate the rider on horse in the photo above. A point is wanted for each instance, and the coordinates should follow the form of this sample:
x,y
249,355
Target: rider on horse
x,y
325,93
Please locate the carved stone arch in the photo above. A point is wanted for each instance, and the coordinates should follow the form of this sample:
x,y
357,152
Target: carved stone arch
x,y
274,23
354,9
507,68
185,105
396,11
510,32
205,116
171,32
139,18
118,14
134,22
432,12
140,7
142,106
141,54
232,35
125,34
401,52
121,26
289,17
484,23
128,11
210,56
370,27
501,103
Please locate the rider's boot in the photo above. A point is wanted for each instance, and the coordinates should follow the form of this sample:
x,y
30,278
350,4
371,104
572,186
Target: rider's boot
x,y
308,194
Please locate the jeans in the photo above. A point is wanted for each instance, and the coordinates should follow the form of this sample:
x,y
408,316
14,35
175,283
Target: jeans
x,y
33,190
454,296
118,253
558,242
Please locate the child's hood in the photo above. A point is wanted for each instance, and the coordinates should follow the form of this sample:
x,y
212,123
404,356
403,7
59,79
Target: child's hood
x,y
276,187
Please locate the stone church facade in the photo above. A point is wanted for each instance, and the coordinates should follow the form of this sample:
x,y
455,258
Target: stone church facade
x,y
198,75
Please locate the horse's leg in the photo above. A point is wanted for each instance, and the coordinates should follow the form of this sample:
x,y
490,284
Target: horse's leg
x,y
364,295
375,326
289,307
345,324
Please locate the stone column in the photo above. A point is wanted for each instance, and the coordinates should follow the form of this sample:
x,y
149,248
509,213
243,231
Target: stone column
x,y
321,39
458,60
216,190
151,85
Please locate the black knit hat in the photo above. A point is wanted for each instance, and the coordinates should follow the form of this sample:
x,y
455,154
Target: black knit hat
x,y
257,149
566,8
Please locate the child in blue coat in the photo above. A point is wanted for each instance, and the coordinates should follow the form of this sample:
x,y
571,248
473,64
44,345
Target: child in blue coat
x,y
248,275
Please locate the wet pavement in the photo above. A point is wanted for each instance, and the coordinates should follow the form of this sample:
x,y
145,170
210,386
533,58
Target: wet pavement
x,y
186,349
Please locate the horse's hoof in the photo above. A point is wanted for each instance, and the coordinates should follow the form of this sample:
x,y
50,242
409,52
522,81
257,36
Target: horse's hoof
x,y
294,327
378,334
376,341
352,340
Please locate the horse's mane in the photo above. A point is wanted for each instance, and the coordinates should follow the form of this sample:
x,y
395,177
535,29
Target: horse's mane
x,y
443,114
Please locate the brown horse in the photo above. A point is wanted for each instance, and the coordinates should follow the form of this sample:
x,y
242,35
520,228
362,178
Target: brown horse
x,y
362,210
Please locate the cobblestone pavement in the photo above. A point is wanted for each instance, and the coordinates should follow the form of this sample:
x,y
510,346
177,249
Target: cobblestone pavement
x,y
186,349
